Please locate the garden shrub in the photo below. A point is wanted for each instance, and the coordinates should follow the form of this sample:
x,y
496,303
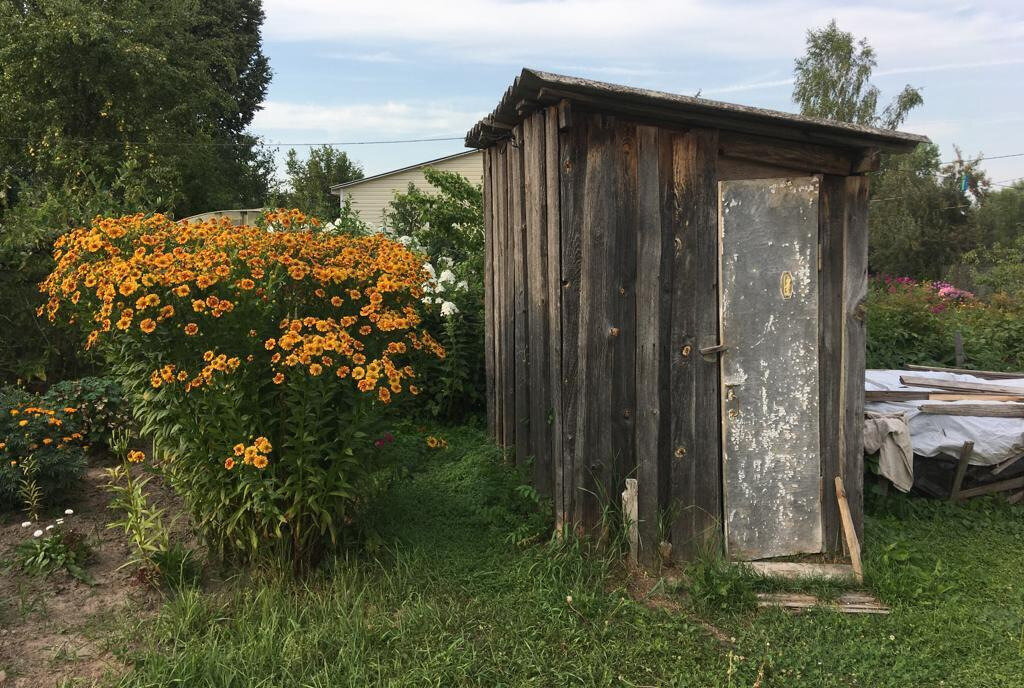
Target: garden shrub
x,y
102,407
260,361
47,441
911,322
448,226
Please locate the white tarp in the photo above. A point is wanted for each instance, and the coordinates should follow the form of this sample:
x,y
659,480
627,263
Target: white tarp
x,y
995,439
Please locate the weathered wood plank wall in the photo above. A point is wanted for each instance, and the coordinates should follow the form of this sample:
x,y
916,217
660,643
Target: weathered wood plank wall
x,y
602,268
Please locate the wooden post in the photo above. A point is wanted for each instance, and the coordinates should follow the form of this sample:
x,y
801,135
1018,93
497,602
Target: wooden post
x,y
629,519
958,349
961,470
852,543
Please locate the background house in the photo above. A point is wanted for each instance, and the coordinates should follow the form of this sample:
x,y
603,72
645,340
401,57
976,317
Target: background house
x,y
371,196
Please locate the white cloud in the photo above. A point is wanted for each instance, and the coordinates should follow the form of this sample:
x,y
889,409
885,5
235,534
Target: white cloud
x,y
617,33
358,121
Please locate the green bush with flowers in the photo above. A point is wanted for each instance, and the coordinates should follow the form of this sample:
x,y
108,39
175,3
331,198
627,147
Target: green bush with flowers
x,y
261,361
913,322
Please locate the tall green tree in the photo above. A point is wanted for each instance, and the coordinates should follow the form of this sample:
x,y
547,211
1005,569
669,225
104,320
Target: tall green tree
x,y
310,179
833,81
116,106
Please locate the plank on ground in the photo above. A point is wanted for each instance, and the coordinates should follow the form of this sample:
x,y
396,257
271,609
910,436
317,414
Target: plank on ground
x,y
959,385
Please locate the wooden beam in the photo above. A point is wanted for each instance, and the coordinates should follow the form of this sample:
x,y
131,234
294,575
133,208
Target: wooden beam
x,y
925,395
958,385
1001,410
992,488
1015,497
1006,464
489,314
797,570
552,174
852,542
847,603
986,374
855,286
630,513
806,157
961,470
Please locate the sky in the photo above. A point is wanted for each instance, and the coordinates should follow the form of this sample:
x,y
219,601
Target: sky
x,y
382,70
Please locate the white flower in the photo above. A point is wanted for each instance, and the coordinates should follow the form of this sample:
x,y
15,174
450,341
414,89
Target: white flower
x,y
427,300
447,276
26,524
430,270
438,300
60,521
405,240
50,527
449,308
38,533
462,286
68,512
445,262
438,288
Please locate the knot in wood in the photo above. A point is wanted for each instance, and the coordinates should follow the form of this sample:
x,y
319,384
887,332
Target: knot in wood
x,y
685,351
680,452
614,332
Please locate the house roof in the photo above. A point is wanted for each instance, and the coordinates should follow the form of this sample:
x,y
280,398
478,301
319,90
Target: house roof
x,y
335,188
534,89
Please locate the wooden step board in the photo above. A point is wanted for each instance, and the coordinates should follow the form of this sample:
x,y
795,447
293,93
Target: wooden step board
x,y
847,603
794,570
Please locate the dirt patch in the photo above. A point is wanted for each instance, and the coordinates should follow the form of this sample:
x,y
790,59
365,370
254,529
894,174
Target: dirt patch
x,y
52,628
662,593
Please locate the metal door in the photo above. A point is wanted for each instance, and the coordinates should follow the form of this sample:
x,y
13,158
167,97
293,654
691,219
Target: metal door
x,y
768,291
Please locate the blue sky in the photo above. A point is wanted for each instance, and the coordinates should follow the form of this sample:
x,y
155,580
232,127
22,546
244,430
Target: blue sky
x,y
401,69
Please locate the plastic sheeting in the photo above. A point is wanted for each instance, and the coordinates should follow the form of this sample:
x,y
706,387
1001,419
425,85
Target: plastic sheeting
x,y
995,439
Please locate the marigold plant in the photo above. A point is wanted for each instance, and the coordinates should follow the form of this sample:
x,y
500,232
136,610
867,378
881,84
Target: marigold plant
x,y
261,359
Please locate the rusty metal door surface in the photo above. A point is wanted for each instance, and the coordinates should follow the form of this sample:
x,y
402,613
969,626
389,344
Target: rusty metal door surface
x,y
768,290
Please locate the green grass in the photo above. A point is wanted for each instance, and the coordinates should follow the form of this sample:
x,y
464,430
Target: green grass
x,y
456,598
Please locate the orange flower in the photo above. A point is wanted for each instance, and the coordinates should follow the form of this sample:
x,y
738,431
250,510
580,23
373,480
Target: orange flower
x,y
239,449
147,325
260,462
191,329
315,369
279,378
269,344
229,463
136,456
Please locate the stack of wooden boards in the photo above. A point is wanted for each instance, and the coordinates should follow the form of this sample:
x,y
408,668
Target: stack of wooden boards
x,y
990,398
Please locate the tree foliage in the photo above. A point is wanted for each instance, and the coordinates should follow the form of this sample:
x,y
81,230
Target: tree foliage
x,y
833,81
310,180
110,107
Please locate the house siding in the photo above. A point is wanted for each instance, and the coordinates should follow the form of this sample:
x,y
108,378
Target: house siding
x,y
372,197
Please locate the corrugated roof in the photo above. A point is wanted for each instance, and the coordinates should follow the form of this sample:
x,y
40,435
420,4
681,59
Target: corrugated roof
x,y
533,89
334,188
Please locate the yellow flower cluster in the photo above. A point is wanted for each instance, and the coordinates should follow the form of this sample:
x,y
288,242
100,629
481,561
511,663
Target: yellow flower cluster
x,y
209,297
437,442
253,455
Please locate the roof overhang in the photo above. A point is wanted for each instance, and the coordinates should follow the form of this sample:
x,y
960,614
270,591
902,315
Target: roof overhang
x,y
534,89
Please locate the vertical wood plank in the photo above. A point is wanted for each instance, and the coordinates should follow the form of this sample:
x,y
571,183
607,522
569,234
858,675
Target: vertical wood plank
x,y
604,449
653,301
489,294
552,192
831,215
855,284
535,183
499,251
508,359
695,426
521,314
572,172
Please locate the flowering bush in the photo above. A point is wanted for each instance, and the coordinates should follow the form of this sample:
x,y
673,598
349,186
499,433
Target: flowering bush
x,y
260,360
47,442
914,322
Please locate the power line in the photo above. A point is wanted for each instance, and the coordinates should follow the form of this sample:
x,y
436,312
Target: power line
x,y
987,157
228,144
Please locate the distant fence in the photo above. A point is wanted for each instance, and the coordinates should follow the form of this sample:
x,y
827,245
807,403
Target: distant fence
x,y
243,216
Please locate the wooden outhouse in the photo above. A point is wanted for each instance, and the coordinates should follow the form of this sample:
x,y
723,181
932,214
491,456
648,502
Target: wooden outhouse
x,y
674,293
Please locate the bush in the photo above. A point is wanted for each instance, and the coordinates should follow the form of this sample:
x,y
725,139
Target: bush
x,y
911,322
449,227
40,444
102,407
261,362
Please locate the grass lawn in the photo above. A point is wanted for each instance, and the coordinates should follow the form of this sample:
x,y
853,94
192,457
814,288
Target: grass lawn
x,y
453,597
